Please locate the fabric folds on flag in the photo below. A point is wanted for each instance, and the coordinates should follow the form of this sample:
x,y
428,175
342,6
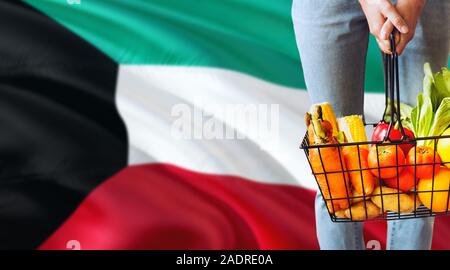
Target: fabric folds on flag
x,y
87,152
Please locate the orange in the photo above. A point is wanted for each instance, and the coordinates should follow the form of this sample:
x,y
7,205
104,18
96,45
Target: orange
x,y
387,158
424,158
405,181
440,198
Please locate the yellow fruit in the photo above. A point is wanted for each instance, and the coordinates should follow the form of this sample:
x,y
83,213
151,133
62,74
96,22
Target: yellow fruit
x,y
328,114
353,128
440,198
443,148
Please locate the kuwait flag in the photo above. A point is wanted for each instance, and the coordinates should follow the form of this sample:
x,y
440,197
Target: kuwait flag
x,y
90,158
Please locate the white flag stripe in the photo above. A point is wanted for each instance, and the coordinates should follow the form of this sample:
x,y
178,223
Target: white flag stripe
x,y
146,96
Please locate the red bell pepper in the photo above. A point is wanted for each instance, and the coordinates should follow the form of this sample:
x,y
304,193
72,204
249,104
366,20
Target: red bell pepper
x,y
395,135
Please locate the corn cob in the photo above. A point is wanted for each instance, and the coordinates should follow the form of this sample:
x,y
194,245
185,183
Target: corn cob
x,y
353,128
328,114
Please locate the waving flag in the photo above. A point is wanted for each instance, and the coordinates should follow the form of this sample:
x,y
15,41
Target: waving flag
x,y
87,149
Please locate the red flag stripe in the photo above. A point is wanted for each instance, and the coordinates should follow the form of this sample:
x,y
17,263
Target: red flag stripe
x,y
161,206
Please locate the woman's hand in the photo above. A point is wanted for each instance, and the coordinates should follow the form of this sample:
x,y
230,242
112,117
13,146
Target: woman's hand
x,y
410,10
379,12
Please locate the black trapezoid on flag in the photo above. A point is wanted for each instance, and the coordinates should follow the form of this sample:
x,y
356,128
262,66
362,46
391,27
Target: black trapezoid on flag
x,y
60,132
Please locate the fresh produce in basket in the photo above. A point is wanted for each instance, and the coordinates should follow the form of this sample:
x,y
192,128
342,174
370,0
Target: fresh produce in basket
x,y
424,155
349,176
359,178
340,214
328,115
353,129
358,197
389,200
405,181
335,182
405,116
395,135
440,190
358,211
431,116
443,148
387,156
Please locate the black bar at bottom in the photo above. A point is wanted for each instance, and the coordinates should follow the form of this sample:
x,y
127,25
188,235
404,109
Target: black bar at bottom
x,y
204,259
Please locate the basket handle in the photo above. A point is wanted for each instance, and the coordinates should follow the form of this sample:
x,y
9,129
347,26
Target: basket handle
x,y
392,89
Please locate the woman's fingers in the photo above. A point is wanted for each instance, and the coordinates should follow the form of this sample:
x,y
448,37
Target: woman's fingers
x,y
384,45
398,38
386,30
384,39
391,13
402,44
383,18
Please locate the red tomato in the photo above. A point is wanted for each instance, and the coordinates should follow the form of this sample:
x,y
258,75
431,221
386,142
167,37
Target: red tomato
x,y
425,158
406,181
380,132
387,156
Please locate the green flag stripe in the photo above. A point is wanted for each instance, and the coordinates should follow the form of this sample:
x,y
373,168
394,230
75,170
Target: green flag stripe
x,y
254,37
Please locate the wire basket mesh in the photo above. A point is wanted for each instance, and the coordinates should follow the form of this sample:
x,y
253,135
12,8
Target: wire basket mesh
x,y
428,196
391,203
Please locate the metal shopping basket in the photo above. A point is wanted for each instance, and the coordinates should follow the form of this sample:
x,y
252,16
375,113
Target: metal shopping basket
x,y
389,204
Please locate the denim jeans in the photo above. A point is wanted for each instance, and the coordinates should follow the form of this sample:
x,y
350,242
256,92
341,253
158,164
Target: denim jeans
x,y
332,39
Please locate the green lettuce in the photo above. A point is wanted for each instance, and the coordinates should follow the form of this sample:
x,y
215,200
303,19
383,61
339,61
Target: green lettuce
x,y
405,114
443,118
426,115
431,116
